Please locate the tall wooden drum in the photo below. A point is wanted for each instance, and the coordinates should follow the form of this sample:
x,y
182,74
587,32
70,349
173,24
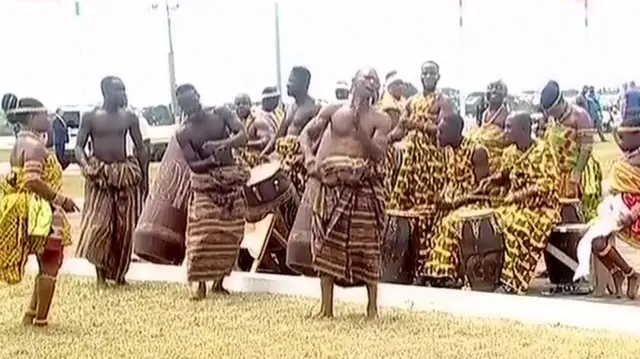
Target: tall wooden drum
x,y
160,234
299,255
271,205
482,250
566,241
400,248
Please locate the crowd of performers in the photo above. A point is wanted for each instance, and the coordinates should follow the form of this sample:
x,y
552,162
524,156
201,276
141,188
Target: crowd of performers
x,y
337,185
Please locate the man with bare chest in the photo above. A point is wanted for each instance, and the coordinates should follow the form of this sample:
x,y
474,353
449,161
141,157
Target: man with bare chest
x,y
260,130
114,183
348,221
215,220
286,141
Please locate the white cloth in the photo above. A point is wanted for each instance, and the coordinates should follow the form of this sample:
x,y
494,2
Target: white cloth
x,y
144,130
610,211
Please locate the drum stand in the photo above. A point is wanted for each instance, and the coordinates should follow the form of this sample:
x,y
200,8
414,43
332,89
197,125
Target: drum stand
x,y
256,239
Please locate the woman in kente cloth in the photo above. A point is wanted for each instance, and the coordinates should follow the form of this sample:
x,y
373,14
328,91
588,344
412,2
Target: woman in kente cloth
x,y
490,134
32,208
421,174
531,208
624,179
569,132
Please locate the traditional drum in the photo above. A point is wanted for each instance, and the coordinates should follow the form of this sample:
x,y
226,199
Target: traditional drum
x,y
482,250
160,234
400,248
299,255
272,203
565,238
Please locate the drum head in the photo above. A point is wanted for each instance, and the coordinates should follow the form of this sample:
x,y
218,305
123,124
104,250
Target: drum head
x,y
572,228
401,213
476,213
569,200
263,171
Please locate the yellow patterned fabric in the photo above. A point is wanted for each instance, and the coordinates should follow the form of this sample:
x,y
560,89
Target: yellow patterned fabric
x,y
292,161
563,141
388,102
527,225
17,204
443,258
493,138
279,114
421,174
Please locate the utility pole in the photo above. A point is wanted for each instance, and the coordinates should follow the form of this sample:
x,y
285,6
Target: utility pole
x,y
171,57
278,61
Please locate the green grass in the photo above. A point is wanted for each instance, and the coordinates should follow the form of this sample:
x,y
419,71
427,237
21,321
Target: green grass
x,y
158,321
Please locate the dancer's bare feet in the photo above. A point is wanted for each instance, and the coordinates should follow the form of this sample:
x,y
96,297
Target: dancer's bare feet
x,y
200,292
217,288
633,282
618,279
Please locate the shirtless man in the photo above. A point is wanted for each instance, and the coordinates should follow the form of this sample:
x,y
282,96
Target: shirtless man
x,y
215,220
114,183
286,140
260,129
352,146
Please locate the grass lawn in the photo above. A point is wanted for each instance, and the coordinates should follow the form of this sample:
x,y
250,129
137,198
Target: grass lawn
x,y
158,321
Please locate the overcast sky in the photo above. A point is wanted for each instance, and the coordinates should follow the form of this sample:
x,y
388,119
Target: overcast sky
x,y
226,47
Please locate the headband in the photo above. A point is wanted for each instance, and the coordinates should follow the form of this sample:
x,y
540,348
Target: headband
x,y
394,78
21,110
270,95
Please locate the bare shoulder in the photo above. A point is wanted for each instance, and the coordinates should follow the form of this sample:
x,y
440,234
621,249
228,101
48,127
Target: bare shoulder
x,y
222,111
581,118
182,132
329,110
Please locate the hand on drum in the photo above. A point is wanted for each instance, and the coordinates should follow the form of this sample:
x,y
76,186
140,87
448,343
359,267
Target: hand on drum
x,y
214,147
483,186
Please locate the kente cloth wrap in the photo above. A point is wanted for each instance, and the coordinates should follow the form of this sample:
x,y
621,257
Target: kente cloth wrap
x,y
215,222
25,216
565,146
442,256
110,215
421,175
292,161
526,225
348,221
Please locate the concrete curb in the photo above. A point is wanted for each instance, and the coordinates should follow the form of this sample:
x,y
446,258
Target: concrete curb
x,y
530,310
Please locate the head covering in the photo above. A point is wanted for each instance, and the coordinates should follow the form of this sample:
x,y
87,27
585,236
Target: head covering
x,y
393,77
270,92
550,95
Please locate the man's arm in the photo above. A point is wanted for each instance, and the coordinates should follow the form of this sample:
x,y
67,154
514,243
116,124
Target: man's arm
x,y
264,134
194,162
238,137
585,129
377,145
480,160
140,149
83,136
315,127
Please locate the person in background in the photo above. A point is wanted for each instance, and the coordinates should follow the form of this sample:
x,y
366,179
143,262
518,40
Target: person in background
x,y
60,137
272,104
631,102
481,107
593,109
342,91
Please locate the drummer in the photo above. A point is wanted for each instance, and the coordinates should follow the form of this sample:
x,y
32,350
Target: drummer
x,y
531,207
286,141
260,129
468,165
